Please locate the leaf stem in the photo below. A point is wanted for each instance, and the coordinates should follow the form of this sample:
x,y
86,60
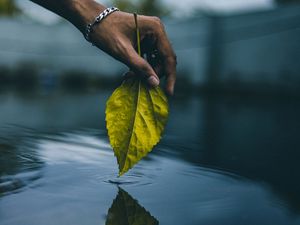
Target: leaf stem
x,y
137,31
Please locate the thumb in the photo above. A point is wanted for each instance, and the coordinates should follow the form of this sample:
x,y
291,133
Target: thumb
x,y
142,68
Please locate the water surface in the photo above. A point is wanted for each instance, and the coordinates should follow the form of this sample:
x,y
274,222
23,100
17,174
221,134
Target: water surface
x,y
222,160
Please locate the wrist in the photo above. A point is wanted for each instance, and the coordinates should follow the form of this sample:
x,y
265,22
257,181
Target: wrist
x,y
84,12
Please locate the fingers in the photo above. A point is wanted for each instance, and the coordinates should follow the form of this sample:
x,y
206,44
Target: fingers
x,y
141,67
171,80
122,50
155,62
167,56
118,41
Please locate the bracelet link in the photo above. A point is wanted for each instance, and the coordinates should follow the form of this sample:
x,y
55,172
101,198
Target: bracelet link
x,y
98,19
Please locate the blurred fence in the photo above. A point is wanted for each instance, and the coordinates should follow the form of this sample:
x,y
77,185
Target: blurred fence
x,y
253,49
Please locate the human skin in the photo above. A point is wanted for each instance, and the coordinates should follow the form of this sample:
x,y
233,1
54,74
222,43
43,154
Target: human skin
x,y
115,35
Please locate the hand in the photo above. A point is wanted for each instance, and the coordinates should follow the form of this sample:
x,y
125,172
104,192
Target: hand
x,y
116,36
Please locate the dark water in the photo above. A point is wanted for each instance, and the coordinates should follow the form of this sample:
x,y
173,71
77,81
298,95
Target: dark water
x,y
222,160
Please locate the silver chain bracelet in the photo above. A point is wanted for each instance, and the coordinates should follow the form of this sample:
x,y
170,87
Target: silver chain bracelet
x,y
98,19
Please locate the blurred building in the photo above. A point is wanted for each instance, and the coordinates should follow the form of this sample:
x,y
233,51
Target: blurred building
x,y
58,47
232,50
254,48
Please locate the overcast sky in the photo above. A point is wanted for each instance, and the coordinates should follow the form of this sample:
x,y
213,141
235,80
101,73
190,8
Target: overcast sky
x,y
180,8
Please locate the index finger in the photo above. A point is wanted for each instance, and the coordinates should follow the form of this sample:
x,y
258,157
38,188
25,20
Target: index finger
x,y
168,57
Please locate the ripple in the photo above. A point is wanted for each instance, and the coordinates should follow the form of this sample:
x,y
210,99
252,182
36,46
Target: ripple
x,y
71,147
13,183
131,178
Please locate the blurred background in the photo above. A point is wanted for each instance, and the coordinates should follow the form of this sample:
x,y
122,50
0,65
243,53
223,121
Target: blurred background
x,y
230,152
222,45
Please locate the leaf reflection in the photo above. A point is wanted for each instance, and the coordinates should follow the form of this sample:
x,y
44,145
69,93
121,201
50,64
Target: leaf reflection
x,y
127,211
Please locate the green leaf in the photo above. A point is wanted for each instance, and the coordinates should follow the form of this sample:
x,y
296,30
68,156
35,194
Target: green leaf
x,y
126,211
135,119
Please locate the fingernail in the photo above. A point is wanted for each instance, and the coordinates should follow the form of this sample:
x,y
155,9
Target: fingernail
x,y
153,81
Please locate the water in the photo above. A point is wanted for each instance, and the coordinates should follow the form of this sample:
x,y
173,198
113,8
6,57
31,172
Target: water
x,y
222,160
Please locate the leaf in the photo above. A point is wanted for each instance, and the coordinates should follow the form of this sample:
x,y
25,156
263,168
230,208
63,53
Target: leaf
x,y
126,211
135,119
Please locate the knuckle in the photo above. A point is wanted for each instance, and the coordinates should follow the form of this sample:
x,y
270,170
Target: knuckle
x,y
139,64
157,22
156,19
143,66
172,59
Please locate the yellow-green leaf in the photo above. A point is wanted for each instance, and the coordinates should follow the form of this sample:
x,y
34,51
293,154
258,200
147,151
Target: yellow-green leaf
x,y
135,119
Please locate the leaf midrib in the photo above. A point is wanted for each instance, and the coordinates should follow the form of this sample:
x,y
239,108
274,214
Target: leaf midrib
x,y
133,124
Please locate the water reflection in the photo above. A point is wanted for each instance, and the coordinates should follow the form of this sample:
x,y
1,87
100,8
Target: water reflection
x,y
257,138
125,210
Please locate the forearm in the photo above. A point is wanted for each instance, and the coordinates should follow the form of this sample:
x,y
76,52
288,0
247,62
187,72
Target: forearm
x,y
78,12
